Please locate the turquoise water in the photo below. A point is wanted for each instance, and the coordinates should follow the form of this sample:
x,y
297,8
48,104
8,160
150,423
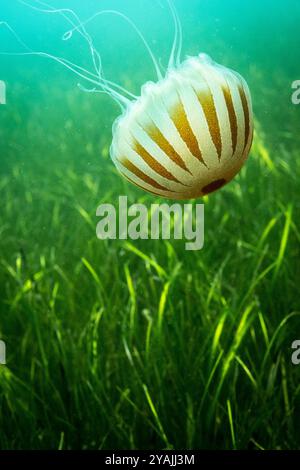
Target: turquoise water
x,y
143,344
258,39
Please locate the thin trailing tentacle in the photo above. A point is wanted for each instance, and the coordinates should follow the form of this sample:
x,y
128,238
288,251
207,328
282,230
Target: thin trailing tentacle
x,y
122,104
178,57
64,12
85,74
19,40
133,25
175,54
79,71
117,92
171,62
79,27
76,70
106,86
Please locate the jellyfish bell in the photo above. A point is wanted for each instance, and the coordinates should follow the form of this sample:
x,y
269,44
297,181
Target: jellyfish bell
x,y
186,135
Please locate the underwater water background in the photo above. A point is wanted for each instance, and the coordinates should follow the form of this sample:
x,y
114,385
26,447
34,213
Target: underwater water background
x,y
141,344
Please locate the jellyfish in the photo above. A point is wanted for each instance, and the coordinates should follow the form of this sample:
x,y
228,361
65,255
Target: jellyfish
x,y
188,133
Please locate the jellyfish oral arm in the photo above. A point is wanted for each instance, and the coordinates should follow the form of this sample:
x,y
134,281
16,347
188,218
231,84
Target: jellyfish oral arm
x,y
174,60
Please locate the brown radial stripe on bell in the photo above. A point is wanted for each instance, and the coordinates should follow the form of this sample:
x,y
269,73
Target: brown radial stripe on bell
x,y
152,162
156,135
207,103
246,113
232,116
140,174
179,117
138,185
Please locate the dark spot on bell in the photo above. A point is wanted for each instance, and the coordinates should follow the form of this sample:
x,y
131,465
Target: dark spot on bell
x,y
213,186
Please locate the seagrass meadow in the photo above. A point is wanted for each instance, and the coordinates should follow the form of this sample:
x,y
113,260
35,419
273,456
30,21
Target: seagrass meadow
x,y
123,344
